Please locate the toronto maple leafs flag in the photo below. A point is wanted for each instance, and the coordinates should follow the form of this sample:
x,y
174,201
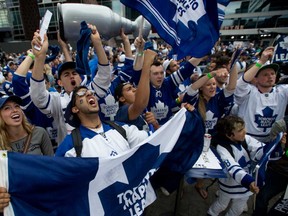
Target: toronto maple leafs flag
x,y
281,49
191,27
271,150
42,185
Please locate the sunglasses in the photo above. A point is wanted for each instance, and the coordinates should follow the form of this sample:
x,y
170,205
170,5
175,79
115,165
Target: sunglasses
x,y
82,93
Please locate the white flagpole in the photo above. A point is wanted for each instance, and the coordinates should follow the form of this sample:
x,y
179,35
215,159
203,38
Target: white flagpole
x,y
256,181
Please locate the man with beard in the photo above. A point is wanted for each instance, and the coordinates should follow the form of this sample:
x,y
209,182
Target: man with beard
x,y
53,103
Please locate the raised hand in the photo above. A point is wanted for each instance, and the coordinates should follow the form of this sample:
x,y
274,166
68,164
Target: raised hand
x,y
37,41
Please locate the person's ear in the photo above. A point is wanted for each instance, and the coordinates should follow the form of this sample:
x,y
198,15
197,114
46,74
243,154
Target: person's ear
x,y
59,82
75,109
122,99
230,136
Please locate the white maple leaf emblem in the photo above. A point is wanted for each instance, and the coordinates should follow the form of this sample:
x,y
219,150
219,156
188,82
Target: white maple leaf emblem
x,y
284,43
160,110
210,120
110,107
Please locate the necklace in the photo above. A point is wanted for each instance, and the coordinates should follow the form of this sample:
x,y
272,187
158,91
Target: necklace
x,y
96,127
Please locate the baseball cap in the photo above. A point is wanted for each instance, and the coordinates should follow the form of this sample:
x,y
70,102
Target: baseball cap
x,y
273,66
245,53
6,98
65,66
166,64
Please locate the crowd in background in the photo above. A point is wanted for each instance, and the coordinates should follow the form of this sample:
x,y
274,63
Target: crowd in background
x,y
215,89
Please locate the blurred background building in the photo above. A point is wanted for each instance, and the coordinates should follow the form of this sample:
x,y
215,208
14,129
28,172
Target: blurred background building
x,y
257,21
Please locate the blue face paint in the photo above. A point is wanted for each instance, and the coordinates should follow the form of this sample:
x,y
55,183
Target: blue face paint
x,y
81,101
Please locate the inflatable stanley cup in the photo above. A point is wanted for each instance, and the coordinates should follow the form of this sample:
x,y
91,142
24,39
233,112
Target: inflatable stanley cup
x,y
107,22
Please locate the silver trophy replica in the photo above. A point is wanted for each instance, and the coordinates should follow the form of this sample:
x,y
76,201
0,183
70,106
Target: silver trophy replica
x,y
107,22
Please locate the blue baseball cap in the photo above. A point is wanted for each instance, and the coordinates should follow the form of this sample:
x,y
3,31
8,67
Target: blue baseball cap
x,y
6,98
65,66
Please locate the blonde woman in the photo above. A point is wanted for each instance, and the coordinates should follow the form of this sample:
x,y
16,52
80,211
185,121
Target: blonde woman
x,y
211,105
16,131
18,135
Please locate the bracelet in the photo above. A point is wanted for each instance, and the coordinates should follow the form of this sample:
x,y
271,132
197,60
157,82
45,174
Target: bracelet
x,y
286,152
140,54
178,101
258,65
31,56
209,75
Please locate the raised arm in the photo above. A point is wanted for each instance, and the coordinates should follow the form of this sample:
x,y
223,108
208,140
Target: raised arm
x,y
195,61
102,79
65,48
201,81
23,68
232,79
126,43
98,46
40,55
139,58
143,90
266,55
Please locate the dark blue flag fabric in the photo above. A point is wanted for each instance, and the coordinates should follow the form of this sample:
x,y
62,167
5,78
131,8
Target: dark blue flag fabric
x,y
42,185
269,148
190,27
281,49
83,44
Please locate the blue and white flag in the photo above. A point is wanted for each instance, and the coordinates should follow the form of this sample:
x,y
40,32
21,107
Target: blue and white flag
x,y
42,185
190,27
269,148
222,4
281,49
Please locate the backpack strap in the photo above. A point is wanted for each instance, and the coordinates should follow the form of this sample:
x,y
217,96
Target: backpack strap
x,y
77,141
241,65
117,127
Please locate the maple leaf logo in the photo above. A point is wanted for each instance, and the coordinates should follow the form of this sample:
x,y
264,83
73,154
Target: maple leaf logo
x,y
110,107
210,120
284,43
266,120
160,111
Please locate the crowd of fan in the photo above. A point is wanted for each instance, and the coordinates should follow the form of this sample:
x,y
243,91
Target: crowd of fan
x,y
209,84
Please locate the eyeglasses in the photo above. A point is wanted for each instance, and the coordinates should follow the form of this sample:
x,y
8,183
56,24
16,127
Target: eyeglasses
x,y
82,93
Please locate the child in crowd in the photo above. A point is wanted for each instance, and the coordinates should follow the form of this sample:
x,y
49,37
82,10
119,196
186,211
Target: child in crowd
x,y
237,150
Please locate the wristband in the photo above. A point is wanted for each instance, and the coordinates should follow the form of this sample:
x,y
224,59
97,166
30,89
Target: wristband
x,y
140,54
258,65
178,101
209,75
31,56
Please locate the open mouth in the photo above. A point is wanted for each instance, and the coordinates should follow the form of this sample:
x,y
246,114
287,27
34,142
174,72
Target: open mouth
x,y
91,101
16,116
73,82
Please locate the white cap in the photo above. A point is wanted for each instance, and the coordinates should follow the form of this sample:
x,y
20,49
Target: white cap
x,y
166,64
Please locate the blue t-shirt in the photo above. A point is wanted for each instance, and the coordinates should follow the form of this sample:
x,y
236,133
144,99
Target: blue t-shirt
x,y
122,116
